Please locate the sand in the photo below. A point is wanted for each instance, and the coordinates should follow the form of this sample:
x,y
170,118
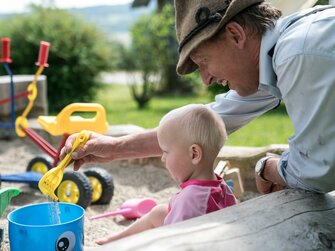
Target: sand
x,y
131,180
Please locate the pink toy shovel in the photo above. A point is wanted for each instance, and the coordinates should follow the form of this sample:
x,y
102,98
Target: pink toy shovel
x,y
130,209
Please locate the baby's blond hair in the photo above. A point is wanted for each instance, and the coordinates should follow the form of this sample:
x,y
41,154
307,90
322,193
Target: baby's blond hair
x,y
200,125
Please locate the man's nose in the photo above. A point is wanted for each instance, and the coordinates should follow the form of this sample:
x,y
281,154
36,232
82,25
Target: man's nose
x,y
205,77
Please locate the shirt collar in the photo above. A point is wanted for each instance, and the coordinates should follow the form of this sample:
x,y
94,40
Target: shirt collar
x,y
267,75
208,183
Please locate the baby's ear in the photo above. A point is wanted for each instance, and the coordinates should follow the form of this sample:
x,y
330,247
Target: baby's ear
x,y
196,153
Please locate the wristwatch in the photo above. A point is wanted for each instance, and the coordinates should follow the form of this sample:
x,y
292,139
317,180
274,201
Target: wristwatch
x,y
259,168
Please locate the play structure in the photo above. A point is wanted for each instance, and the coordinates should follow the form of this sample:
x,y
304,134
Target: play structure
x,y
83,188
6,60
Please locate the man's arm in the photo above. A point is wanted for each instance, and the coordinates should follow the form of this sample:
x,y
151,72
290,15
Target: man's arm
x,y
237,111
101,148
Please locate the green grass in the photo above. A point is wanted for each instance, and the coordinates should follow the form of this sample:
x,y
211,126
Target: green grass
x,y
272,128
122,109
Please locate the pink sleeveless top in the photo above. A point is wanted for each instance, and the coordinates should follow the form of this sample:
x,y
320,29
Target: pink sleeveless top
x,y
199,197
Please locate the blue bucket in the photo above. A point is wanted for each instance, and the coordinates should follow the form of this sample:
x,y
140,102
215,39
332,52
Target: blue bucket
x,y
37,227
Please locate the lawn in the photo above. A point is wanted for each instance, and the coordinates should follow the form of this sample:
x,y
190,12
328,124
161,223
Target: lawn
x,y
272,128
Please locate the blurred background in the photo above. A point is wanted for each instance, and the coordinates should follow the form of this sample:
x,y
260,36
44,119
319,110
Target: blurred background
x,y
121,54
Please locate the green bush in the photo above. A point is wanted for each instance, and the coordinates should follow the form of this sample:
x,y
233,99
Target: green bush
x,y
78,53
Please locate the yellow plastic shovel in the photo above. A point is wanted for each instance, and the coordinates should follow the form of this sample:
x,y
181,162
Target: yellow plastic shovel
x,y
51,180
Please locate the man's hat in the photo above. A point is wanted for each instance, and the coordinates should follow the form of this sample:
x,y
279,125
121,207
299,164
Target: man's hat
x,y
198,20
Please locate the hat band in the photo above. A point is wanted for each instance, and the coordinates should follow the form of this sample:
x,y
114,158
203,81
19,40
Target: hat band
x,y
202,22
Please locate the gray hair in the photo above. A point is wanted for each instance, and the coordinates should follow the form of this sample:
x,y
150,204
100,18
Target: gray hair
x,y
256,19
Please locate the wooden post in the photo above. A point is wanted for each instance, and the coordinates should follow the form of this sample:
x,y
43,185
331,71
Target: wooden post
x,y
285,220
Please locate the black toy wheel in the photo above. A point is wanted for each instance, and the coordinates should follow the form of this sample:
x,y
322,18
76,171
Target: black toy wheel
x,y
75,188
102,185
40,164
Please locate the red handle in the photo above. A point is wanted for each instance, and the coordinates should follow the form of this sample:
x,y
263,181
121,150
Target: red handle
x,y
43,54
5,56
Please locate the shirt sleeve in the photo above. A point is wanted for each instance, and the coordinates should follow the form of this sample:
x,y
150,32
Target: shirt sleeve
x,y
304,61
309,92
237,111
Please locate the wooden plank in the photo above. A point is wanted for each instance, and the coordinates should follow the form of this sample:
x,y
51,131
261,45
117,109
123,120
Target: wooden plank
x,y
285,220
245,158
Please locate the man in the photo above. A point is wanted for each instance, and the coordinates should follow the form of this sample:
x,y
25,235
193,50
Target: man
x,y
263,59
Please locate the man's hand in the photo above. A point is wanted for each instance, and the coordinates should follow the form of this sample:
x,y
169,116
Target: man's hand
x,y
271,181
98,149
101,148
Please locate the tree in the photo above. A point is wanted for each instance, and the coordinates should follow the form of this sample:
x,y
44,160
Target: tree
x,y
165,48
139,57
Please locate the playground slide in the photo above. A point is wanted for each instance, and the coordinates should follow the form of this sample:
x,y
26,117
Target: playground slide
x,y
289,6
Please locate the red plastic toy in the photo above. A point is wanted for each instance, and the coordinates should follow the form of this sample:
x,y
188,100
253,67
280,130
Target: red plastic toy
x,y
5,51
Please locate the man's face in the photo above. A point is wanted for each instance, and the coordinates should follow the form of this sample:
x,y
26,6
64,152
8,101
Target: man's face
x,y
230,59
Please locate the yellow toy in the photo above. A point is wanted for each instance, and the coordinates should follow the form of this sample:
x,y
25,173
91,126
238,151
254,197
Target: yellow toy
x,y
65,123
51,180
94,185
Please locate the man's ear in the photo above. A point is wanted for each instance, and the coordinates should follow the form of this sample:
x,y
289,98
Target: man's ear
x,y
196,153
237,33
